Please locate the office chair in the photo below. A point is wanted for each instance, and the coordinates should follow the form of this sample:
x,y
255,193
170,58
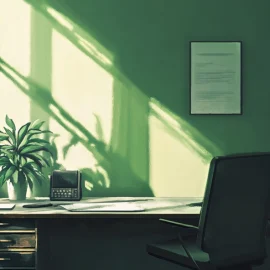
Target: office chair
x,y
232,226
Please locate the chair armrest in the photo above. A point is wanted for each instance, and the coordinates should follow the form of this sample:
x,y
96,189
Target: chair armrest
x,y
183,225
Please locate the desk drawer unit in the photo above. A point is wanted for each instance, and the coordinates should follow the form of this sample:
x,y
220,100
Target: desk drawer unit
x,y
11,260
16,225
18,243
17,240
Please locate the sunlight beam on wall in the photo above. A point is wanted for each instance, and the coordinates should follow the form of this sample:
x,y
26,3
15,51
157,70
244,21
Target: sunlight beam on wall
x,y
60,18
179,164
85,40
15,19
85,90
75,33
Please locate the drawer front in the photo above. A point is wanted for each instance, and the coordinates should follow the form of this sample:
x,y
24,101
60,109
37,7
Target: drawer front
x,y
17,240
16,224
17,259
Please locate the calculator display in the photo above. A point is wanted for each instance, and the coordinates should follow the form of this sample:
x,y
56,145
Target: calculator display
x,y
65,180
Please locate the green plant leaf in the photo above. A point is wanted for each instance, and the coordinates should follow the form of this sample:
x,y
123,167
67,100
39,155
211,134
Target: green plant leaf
x,y
33,149
29,181
24,141
48,148
10,171
22,178
33,130
15,178
34,165
7,153
33,174
28,145
16,158
37,124
39,141
22,161
4,160
3,170
11,135
28,173
7,147
36,156
38,132
36,160
40,177
2,174
22,132
11,124
3,136
12,161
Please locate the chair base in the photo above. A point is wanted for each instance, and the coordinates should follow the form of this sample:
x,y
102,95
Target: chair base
x,y
172,250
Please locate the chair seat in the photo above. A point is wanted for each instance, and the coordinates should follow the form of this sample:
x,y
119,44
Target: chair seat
x,y
172,250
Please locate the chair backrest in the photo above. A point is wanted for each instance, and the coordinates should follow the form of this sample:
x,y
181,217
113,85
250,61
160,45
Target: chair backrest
x,y
232,227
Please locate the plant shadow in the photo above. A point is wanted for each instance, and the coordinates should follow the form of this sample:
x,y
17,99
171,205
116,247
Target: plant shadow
x,y
122,179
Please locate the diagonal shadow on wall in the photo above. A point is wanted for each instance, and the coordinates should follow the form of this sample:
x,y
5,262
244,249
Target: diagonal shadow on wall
x,y
117,168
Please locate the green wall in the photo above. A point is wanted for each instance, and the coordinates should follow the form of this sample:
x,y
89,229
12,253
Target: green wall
x,y
150,40
149,45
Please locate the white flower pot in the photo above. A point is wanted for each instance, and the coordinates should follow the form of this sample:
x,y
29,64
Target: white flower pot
x,y
17,191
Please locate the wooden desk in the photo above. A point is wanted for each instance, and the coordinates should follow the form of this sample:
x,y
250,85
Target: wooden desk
x,y
53,238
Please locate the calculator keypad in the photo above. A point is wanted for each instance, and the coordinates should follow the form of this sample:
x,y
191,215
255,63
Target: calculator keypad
x,y
64,193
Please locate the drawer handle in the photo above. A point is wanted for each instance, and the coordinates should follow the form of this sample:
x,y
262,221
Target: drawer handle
x,y
4,224
5,259
5,241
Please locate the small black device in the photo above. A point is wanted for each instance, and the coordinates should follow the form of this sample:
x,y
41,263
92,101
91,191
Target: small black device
x,y
65,186
37,205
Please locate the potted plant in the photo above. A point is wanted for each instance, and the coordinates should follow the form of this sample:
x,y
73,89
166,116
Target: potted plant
x,y
21,161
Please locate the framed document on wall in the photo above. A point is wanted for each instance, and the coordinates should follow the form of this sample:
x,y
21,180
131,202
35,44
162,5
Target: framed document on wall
x,y
215,77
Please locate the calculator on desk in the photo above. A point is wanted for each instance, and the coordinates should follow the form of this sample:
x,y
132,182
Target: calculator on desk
x,y
65,186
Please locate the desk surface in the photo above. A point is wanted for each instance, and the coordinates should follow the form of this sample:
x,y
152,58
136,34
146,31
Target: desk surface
x,y
155,207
